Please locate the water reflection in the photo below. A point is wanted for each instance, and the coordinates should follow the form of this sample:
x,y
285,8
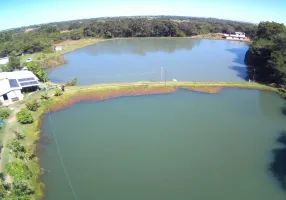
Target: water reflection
x,y
238,60
278,166
273,111
142,46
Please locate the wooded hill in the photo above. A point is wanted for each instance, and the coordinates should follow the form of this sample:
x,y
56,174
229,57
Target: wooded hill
x,y
43,37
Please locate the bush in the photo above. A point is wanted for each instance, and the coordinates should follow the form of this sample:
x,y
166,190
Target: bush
x,y
21,191
73,82
32,105
4,113
48,50
18,171
24,117
273,84
76,34
180,34
3,191
107,35
38,70
44,96
58,92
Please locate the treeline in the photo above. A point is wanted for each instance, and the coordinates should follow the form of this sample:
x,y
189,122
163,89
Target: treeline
x,y
266,57
42,38
160,28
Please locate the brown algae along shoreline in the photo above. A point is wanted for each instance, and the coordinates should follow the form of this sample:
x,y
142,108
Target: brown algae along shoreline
x,y
101,92
97,93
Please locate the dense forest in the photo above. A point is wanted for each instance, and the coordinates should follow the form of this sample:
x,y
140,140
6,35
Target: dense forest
x,y
43,37
266,57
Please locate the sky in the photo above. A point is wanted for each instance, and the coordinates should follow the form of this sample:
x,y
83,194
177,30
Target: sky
x,y
17,13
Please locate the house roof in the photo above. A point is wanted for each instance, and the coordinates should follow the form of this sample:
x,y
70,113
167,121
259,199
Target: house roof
x,y
16,80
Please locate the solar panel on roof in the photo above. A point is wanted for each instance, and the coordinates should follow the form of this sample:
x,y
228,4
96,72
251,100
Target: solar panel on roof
x,y
34,82
26,79
31,83
24,84
13,83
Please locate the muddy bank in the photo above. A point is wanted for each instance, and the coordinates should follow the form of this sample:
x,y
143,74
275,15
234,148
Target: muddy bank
x,y
93,96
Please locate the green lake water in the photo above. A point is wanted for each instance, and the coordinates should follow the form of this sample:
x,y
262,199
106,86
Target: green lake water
x,y
177,146
130,60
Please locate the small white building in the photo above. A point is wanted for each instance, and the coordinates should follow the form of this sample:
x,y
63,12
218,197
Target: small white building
x,y
4,61
13,83
59,48
235,36
29,30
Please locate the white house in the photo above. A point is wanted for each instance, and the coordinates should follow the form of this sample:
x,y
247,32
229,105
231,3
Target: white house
x,y
4,61
59,48
235,36
13,83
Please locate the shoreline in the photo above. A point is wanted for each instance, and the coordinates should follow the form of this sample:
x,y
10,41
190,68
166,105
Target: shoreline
x,y
99,92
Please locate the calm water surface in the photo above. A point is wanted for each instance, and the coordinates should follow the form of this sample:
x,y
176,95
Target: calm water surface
x,y
129,60
179,146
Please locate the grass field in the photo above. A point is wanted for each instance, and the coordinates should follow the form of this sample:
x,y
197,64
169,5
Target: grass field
x,y
69,46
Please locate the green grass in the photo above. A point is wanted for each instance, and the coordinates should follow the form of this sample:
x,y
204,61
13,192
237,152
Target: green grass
x,y
68,47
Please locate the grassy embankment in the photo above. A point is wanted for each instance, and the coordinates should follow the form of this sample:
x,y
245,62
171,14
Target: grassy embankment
x,y
213,36
55,58
95,92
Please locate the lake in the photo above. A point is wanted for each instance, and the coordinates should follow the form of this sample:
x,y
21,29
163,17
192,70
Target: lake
x,y
130,60
183,145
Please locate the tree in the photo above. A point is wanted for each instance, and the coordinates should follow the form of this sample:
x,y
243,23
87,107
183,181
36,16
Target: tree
x,y
37,70
267,30
14,61
228,29
44,96
58,92
73,82
19,136
108,34
6,68
17,149
21,191
76,34
3,191
266,55
18,171
74,26
24,117
4,113
32,105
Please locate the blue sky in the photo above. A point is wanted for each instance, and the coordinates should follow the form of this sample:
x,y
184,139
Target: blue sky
x,y
16,13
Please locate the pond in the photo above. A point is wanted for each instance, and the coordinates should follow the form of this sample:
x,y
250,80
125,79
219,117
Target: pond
x,y
183,145
149,59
